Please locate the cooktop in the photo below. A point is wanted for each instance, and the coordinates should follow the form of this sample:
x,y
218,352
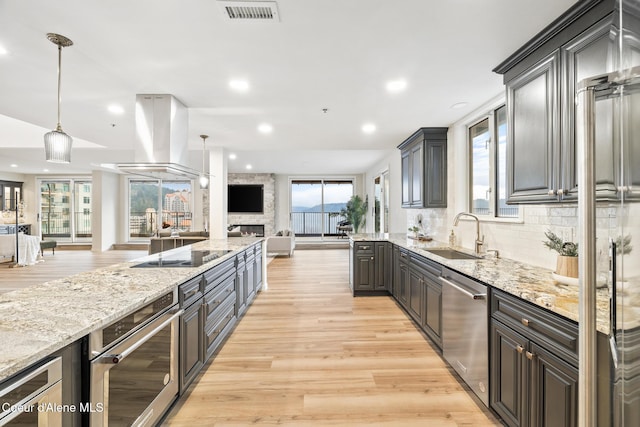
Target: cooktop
x,y
180,258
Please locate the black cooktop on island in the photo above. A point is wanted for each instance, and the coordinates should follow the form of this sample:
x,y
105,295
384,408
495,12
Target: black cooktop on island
x,y
184,257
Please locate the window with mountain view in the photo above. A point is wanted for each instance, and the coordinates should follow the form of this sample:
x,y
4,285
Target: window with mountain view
x,y
155,205
316,206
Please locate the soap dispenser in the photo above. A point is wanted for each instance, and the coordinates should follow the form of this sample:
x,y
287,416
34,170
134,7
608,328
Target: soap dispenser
x,y
452,239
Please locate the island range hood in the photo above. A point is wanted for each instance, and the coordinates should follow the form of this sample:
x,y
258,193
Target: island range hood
x,y
161,139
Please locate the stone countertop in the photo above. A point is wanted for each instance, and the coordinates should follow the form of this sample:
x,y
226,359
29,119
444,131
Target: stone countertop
x,y
39,320
530,283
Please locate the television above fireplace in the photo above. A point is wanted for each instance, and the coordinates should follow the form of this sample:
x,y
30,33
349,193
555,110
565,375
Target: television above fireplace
x,y
245,198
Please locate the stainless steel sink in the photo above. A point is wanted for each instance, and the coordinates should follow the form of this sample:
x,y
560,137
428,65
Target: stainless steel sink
x,y
449,253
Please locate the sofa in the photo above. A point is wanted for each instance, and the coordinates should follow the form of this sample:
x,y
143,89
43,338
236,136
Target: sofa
x,y
282,243
164,241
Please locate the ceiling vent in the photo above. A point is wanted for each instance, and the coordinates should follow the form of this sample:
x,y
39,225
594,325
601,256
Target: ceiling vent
x,y
263,11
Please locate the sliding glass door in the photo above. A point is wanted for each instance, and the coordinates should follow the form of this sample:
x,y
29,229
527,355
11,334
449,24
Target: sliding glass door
x,y
316,206
65,210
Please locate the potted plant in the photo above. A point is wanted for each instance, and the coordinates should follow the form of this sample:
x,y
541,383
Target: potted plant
x,y
355,212
567,262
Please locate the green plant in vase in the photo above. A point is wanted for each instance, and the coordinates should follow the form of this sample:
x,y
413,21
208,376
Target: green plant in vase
x,y
567,261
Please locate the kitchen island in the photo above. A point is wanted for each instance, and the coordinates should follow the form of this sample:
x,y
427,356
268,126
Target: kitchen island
x,y
42,319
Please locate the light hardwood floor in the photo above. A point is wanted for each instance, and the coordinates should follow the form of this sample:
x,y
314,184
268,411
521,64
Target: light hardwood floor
x,y
63,264
309,354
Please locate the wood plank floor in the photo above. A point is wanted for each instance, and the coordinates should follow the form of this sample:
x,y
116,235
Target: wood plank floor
x,y
63,264
309,354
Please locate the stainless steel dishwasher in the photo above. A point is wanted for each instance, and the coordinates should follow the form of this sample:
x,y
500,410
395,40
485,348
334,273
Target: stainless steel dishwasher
x,y
464,330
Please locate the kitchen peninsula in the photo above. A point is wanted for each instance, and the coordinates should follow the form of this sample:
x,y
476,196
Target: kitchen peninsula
x,y
42,320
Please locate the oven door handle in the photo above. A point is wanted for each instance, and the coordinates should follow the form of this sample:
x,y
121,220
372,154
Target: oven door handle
x,y
464,291
117,358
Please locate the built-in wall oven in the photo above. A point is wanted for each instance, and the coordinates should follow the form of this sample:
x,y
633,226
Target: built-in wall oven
x,y
134,366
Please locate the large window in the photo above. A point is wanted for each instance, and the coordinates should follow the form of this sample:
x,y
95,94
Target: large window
x,y
487,146
316,206
156,205
65,209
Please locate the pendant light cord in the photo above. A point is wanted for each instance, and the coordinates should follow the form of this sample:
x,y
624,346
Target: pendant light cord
x,y
59,128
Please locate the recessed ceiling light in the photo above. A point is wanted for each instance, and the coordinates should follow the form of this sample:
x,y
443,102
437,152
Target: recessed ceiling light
x,y
239,85
249,167
13,165
232,156
459,105
265,128
3,51
395,86
45,170
115,109
368,128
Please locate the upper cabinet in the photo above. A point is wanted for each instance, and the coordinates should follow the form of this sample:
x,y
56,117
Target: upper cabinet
x,y
424,169
541,80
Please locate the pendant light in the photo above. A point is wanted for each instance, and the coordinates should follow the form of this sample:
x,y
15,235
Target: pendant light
x,y
57,144
204,178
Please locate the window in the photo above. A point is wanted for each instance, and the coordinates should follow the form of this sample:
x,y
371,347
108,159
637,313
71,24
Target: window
x,y
154,205
316,206
86,200
488,158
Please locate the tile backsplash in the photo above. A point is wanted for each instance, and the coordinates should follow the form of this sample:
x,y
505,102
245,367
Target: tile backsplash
x,y
523,240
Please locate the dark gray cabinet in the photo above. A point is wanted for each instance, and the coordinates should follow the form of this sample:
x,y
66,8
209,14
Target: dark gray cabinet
x,y
425,296
424,169
534,374
400,275
533,132
371,264
541,83
191,331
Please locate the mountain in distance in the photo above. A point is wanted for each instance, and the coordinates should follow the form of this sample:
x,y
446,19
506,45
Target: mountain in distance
x,y
329,207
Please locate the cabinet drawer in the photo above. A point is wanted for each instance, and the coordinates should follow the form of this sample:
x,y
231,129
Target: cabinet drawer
x,y
426,265
550,330
219,329
213,300
219,274
189,292
364,248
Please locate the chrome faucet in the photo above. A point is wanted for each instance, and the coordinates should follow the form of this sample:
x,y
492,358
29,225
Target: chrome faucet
x,y
479,241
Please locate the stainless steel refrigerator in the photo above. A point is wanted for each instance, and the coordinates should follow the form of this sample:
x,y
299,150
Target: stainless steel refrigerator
x,y
608,154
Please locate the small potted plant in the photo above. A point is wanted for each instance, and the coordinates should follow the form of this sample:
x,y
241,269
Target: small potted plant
x,y
567,262
415,230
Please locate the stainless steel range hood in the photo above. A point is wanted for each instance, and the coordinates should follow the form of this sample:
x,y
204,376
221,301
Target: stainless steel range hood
x,y
161,139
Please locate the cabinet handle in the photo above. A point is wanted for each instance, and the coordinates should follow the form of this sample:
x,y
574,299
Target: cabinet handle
x,y
364,248
520,349
560,192
371,258
403,255
525,322
552,192
530,355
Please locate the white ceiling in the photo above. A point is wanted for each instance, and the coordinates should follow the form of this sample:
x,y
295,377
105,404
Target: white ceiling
x,y
336,55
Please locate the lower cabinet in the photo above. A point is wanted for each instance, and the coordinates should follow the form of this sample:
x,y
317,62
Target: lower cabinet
x,y
191,344
531,385
212,304
400,288
425,296
371,264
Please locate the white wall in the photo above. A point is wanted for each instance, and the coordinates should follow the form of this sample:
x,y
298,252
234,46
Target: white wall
x,y
105,206
397,215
